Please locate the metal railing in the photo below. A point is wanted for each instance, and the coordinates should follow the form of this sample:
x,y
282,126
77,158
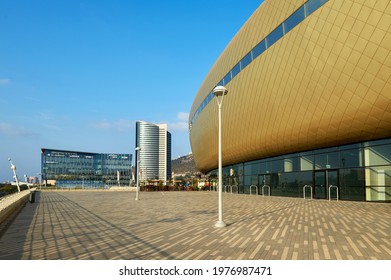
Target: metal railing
x,y
336,187
263,189
256,189
304,188
234,186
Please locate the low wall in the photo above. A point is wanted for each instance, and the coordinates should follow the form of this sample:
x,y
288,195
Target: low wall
x,y
11,204
132,189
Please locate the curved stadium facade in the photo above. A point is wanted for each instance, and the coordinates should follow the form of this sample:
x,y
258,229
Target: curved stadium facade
x,y
309,101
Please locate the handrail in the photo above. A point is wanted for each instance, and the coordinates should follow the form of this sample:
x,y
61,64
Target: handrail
x,y
263,189
256,188
225,188
307,186
332,186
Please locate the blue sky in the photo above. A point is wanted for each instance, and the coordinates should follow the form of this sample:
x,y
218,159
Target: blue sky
x,y
76,75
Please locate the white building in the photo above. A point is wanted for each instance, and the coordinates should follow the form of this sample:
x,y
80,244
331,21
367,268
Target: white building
x,y
155,154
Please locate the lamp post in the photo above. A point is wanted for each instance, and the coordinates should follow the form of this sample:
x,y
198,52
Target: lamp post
x,y
13,167
138,149
27,183
40,180
131,175
219,92
118,178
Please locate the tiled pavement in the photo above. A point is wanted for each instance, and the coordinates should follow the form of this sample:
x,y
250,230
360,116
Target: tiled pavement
x,y
180,225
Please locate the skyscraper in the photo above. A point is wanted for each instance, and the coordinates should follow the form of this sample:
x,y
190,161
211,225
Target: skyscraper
x,y
155,154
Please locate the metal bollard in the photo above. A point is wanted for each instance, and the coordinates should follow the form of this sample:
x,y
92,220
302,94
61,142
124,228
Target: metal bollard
x,y
32,197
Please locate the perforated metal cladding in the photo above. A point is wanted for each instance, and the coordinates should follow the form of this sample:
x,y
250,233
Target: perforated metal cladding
x,y
326,82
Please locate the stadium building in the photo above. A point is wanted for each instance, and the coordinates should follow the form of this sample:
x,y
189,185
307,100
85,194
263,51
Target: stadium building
x,y
308,103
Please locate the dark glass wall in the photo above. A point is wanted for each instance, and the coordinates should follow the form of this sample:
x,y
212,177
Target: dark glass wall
x,y
360,172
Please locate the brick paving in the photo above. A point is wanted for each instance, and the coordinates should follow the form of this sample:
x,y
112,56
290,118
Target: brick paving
x,y
180,226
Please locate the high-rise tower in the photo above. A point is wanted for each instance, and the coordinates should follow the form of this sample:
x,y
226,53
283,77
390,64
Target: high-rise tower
x,y
155,154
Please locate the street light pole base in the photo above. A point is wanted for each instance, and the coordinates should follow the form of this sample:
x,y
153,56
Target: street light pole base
x,y
220,224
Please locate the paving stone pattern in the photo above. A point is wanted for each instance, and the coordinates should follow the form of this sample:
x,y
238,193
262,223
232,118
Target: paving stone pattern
x,y
180,226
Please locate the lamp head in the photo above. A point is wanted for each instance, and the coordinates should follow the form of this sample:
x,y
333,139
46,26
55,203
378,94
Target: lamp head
x,y
220,91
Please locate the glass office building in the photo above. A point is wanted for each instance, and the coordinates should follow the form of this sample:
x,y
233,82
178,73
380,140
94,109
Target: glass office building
x,y
84,169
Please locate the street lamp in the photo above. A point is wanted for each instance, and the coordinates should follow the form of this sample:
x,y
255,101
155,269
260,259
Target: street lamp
x,y
40,181
219,92
27,183
138,149
131,178
118,178
13,167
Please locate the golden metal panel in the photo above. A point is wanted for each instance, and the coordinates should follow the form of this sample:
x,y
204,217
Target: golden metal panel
x,y
374,18
325,83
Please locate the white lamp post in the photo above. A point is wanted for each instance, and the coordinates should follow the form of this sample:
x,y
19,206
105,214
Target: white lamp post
x,y
138,149
27,183
40,180
13,167
219,92
118,178
131,178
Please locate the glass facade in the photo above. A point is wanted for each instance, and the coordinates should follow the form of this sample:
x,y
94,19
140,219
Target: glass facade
x,y
360,172
86,170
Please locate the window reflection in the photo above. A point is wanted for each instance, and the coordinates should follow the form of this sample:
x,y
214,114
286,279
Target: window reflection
x,y
350,158
227,78
275,35
245,61
351,184
326,161
259,49
235,70
294,19
312,5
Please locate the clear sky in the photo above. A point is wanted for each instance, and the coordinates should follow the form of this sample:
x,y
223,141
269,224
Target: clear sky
x,y
76,75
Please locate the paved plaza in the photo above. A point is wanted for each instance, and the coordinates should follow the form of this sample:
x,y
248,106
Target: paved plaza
x,y
180,226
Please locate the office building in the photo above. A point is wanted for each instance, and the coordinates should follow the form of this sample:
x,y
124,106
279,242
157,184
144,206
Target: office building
x,y
308,103
155,154
84,169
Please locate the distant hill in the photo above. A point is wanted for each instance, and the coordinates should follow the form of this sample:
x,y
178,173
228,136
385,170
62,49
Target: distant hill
x,y
184,165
